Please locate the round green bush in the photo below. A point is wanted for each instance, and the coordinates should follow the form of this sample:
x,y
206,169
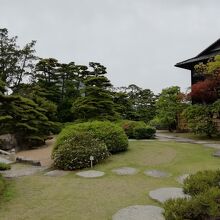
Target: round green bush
x,y
201,182
111,134
130,126
144,133
75,151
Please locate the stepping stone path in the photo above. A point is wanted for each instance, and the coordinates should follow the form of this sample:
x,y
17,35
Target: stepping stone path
x,y
90,174
163,194
157,173
56,173
13,173
217,154
139,212
125,171
181,178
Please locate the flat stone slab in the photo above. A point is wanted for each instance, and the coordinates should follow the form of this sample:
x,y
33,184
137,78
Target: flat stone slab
x,y
125,171
217,154
181,178
157,173
139,212
201,142
3,160
216,146
56,173
90,174
163,194
21,172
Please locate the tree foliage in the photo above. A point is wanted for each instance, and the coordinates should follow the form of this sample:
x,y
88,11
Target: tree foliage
x,y
169,105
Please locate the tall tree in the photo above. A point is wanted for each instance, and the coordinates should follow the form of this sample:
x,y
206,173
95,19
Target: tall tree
x,y
168,106
15,63
96,101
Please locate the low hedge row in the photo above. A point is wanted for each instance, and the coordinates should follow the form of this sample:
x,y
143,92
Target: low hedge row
x,y
137,129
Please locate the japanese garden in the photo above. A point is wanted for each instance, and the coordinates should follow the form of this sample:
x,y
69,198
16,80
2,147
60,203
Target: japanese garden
x,y
74,146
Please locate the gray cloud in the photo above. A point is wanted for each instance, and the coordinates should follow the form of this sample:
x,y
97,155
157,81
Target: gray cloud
x,y
139,41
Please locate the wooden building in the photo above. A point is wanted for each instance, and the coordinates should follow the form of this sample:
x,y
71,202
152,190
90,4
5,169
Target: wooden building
x,y
207,54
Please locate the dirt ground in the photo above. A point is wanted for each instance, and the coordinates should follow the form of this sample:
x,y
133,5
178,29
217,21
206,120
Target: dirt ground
x,y
42,154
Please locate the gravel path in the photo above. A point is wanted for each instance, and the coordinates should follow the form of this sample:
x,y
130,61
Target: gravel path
x,y
139,212
42,154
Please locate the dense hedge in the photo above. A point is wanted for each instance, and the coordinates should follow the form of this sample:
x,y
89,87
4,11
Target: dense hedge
x,y
204,204
144,133
137,129
129,126
74,152
201,182
111,134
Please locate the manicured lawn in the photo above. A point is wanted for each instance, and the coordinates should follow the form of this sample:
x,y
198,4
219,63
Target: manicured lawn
x,y
70,197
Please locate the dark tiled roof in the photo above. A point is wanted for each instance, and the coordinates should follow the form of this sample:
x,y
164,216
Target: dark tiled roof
x,y
209,52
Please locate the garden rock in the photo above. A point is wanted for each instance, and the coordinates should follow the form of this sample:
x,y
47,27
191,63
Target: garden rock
x,y
163,194
56,173
90,174
125,171
4,160
157,173
139,212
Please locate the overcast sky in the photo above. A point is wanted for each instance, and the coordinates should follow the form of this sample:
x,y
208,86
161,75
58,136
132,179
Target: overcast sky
x,y
139,41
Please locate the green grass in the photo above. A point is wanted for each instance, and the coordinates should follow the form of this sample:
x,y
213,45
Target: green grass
x,y
70,197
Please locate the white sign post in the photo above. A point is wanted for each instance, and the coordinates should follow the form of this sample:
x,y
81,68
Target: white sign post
x,y
91,159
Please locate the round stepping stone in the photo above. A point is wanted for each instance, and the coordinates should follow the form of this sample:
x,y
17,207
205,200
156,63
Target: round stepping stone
x,y
21,172
157,173
217,154
56,173
90,174
181,178
125,171
139,212
216,146
163,194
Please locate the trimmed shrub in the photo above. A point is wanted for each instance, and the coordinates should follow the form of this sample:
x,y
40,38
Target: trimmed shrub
x,y
111,134
201,182
74,152
130,126
4,166
144,133
204,206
